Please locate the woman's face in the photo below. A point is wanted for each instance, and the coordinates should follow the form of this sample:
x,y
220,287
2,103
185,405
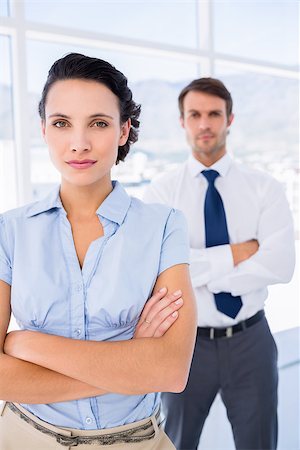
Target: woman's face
x,y
82,130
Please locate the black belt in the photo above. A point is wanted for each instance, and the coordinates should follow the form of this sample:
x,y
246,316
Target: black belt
x,y
126,436
214,333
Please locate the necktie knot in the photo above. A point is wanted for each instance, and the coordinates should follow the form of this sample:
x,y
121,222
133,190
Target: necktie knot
x,y
210,175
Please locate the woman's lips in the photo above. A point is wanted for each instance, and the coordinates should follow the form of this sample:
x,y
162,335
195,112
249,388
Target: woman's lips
x,y
84,164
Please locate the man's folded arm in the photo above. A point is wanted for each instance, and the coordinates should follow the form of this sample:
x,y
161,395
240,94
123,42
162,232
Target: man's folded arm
x,y
275,259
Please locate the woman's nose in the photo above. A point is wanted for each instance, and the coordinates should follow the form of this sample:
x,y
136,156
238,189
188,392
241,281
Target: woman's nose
x,y
80,143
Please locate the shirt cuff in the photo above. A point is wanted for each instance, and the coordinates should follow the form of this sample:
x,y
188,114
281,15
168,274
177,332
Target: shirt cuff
x,y
220,260
220,285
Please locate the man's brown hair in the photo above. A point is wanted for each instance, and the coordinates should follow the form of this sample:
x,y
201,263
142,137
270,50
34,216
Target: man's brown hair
x,y
210,86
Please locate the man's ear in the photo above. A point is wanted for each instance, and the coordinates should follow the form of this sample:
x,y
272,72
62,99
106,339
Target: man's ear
x,y
230,120
181,121
125,130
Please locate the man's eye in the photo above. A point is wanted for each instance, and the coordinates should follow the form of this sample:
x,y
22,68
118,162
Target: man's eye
x,y
99,124
60,124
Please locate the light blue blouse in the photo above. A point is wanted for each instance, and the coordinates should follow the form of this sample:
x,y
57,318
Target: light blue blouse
x,y
102,301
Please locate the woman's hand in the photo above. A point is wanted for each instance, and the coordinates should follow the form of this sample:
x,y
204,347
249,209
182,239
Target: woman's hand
x,y
159,314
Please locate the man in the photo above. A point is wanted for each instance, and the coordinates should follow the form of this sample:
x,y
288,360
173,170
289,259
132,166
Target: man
x,y
241,239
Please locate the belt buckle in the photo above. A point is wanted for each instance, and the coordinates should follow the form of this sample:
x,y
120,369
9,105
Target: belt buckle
x,y
229,332
67,441
211,333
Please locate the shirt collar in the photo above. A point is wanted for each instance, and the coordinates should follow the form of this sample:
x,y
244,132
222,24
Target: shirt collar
x,y
51,201
113,208
222,165
116,204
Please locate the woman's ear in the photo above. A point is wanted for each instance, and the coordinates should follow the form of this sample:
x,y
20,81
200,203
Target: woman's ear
x,y
43,129
125,130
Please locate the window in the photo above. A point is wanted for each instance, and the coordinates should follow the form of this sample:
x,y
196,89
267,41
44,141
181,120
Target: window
x,y
172,22
263,30
4,8
7,145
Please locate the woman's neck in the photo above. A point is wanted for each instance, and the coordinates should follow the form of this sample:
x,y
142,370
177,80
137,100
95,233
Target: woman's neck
x,y
83,201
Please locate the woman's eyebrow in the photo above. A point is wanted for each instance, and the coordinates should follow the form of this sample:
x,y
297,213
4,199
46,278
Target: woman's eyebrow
x,y
59,115
101,115
90,117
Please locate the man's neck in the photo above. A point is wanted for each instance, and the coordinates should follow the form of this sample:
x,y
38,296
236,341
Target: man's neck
x,y
208,160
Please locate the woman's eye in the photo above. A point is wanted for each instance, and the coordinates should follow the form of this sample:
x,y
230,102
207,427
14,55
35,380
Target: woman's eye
x,y
99,124
60,124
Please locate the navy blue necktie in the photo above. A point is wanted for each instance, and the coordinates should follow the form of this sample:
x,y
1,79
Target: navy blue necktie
x,y
216,233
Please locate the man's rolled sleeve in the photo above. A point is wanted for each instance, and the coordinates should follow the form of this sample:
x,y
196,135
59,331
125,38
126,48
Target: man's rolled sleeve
x,y
209,264
275,259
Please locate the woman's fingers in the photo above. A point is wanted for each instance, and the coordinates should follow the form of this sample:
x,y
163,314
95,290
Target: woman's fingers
x,y
153,300
166,324
157,316
157,302
165,314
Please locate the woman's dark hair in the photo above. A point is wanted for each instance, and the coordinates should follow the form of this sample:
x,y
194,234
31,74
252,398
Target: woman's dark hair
x,y
210,86
77,66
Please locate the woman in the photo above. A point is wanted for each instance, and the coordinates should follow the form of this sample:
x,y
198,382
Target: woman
x,y
77,268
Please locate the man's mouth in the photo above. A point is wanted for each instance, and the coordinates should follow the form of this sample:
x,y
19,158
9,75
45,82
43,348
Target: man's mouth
x,y
205,137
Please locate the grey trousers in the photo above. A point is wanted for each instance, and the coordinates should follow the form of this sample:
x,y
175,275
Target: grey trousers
x,y
243,368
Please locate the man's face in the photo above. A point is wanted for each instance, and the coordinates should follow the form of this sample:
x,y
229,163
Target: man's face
x,y
206,125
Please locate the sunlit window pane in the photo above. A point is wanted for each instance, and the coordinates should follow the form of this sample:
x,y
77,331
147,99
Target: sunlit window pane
x,y
7,145
4,8
264,30
170,21
155,82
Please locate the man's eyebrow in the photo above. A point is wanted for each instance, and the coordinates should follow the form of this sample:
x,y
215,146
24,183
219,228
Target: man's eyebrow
x,y
210,111
64,116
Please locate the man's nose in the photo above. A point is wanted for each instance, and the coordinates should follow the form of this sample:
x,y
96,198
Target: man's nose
x,y
204,123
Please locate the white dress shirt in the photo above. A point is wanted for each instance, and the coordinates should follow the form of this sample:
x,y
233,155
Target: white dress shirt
x,y
256,208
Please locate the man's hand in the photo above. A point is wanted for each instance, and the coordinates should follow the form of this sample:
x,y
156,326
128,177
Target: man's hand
x,y
244,250
159,314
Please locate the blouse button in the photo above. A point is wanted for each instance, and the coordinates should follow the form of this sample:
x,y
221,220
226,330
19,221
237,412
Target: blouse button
x,y
88,420
78,331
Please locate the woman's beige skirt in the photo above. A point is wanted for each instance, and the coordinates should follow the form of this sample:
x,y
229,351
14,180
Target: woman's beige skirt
x,y
20,430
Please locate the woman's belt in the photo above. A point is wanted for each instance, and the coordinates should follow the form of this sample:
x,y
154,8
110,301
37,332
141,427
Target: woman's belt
x,y
129,435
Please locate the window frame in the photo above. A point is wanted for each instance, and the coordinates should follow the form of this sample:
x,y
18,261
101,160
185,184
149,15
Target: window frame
x,y
19,29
